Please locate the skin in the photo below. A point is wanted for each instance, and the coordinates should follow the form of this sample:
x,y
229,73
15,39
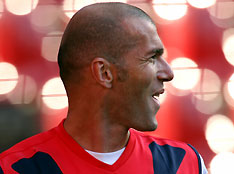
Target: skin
x,y
113,106
147,70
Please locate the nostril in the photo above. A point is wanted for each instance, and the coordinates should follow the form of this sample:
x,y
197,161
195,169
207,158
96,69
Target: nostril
x,y
165,75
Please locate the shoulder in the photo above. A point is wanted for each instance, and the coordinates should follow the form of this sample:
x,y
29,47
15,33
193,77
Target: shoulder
x,y
32,154
160,141
165,143
179,154
23,148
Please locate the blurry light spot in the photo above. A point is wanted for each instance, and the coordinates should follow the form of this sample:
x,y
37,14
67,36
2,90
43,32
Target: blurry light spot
x,y
8,77
44,17
208,106
222,163
186,73
222,14
228,49
54,94
229,91
176,91
208,87
70,7
170,9
228,33
223,23
231,86
201,3
98,1
50,46
222,10
21,7
163,97
25,91
220,134
207,96
1,8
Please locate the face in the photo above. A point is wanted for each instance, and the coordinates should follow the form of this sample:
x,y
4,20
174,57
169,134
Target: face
x,y
136,97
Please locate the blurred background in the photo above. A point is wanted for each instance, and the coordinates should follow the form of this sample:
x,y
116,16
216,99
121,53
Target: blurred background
x,y
197,108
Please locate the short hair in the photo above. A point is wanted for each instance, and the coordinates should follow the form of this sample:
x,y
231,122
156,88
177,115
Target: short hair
x,y
96,31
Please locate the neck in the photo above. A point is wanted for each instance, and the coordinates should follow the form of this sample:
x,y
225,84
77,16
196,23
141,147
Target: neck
x,y
93,124
94,131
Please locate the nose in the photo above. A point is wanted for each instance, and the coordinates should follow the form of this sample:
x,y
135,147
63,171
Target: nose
x,y
164,72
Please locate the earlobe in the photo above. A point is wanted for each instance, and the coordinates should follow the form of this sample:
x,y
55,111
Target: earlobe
x,y
101,72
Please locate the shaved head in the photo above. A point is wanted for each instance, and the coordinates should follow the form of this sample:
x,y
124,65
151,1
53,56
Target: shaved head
x,y
97,30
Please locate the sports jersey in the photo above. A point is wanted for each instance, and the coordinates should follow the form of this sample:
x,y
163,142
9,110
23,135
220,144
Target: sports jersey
x,y
55,152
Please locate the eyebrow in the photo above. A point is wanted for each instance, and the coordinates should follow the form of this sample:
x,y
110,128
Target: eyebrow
x,y
158,51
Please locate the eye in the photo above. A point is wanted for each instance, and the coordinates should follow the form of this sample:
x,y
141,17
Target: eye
x,y
153,58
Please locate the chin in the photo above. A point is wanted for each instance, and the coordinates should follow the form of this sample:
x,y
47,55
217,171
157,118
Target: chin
x,y
152,126
148,129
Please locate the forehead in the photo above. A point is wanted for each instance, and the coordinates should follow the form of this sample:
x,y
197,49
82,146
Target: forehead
x,y
148,39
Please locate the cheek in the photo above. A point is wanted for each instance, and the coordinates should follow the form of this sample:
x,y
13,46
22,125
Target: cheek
x,y
148,76
152,70
122,75
137,83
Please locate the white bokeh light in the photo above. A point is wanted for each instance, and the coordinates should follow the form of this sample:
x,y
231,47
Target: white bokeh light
x,y
222,14
8,77
54,94
201,3
50,46
170,9
186,73
163,97
231,86
21,7
222,10
227,34
222,163
208,87
44,18
97,1
228,45
1,8
25,91
208,106
207,96
72,6
220,134
229,91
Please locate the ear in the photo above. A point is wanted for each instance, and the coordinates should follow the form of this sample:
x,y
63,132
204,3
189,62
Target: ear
x,y
101,72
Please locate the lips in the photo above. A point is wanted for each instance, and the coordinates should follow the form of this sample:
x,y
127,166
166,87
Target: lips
x,y
157,94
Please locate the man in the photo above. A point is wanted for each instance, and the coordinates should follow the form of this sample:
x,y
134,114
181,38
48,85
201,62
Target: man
x,y
112,68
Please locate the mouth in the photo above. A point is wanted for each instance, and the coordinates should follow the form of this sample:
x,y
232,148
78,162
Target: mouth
x,y
157,94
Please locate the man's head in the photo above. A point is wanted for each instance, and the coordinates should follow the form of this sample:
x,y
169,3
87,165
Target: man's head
x,y
118,44
96,31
